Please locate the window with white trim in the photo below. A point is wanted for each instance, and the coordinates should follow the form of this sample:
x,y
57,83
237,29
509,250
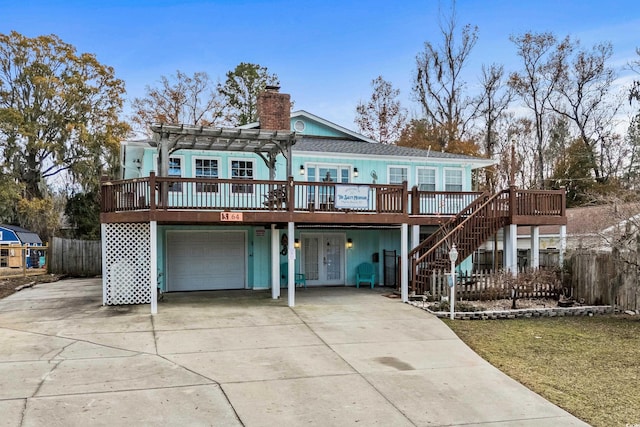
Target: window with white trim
x,y
426,179
175,169
242,169
206,168
397,174
453,180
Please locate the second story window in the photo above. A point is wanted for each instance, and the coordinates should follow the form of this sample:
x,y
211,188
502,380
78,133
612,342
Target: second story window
x,y
426,179
242,169
397,175
206,168
453,180
175,169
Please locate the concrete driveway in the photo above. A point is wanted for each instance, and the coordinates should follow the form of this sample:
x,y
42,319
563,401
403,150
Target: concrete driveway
x,y
342,356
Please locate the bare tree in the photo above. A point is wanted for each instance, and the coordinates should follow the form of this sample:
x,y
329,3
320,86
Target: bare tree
x,y
634,91
583,96
632,174
517,152
382,118
438,84
492,103
180,99
543,58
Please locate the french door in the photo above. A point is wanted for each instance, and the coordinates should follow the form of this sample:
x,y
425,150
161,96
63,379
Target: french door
x,y
322,197
323,258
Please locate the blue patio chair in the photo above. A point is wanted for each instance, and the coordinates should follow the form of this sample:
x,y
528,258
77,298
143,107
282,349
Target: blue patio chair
x,y
365,273
300,278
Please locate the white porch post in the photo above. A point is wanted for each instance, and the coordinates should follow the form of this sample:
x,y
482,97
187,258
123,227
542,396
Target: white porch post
x,y
535,246
506,251
275,262
291,257
415,236
563,244
404,256
153,265
510,248
103,235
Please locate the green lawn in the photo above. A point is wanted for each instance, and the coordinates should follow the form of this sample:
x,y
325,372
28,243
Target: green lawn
x,y
590,366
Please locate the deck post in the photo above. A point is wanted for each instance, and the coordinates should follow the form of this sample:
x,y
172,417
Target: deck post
x,y
535,247
275,262
405,198
152,191
415,201
404,255
291,198
291,256
513,211
153,265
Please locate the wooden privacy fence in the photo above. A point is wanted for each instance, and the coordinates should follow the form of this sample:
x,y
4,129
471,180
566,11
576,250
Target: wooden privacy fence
x,y
599,278
76,257
489,285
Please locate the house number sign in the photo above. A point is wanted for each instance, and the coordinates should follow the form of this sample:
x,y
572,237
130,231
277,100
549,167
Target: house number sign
x,y
230,216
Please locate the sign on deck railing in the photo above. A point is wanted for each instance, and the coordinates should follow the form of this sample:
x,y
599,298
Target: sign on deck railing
x,y
352,197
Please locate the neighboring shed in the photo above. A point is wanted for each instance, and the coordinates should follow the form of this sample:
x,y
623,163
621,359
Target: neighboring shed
x,y
12,236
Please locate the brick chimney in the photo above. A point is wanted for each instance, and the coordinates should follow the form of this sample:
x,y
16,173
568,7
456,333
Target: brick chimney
x,y
274,109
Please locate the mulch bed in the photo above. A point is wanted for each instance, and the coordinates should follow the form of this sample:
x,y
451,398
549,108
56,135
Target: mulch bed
x,y
8,285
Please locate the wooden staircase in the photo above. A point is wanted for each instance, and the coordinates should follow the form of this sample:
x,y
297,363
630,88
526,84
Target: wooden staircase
x,y
476,223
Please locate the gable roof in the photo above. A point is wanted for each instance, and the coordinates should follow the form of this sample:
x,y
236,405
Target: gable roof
x,y
348,134
24,235
319,144
340,131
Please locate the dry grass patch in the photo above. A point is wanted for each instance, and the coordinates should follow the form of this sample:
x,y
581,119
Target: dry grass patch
x,y
590,366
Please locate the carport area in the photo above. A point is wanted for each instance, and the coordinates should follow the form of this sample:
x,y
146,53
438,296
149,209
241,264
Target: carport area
x,y
341,356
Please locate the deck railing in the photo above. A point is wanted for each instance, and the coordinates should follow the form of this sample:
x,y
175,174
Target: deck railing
x,y
444,203
167,193
540,202
251,195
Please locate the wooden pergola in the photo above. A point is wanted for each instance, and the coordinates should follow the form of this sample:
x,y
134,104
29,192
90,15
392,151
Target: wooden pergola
x,y
267,144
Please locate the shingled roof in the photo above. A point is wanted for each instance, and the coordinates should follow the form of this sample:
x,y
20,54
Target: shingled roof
x,y
24,235
364,148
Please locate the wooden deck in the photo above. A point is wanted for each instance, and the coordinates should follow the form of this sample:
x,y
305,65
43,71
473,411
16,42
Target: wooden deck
x,y
176,200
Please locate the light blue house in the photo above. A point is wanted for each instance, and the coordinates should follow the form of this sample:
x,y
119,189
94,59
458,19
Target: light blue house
x,y
253,207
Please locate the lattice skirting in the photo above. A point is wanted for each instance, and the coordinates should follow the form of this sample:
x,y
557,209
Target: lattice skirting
x,y
127,260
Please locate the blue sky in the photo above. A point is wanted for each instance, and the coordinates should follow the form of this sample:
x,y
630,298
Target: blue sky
x,y
325,52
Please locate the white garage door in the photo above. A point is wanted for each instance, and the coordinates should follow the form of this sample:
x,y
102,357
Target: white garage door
x,y
205,260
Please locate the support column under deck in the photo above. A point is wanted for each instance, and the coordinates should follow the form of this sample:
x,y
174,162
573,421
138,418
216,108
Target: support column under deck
x,y
563,244
275,262
153,265
510,248
415,236
535,246
291,257
404,256
103,237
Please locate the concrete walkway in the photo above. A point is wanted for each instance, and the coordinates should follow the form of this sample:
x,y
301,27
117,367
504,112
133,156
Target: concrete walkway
x,y
342,356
